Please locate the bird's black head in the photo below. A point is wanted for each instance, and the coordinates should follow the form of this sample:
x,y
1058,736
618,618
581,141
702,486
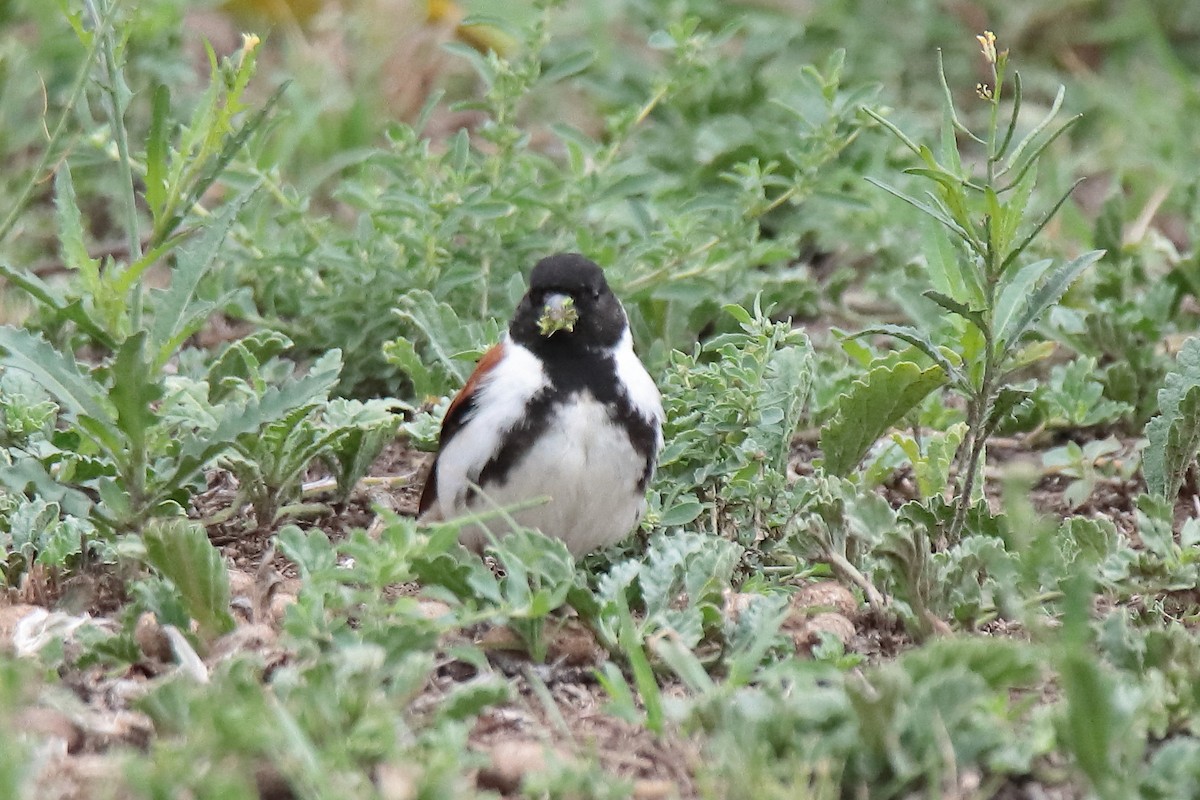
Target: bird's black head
x,y
568,307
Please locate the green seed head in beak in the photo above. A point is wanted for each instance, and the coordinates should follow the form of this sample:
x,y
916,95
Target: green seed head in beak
x,y
559,314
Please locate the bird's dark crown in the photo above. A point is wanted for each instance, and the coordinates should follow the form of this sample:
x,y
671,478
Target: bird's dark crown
x,y
601,320
569,273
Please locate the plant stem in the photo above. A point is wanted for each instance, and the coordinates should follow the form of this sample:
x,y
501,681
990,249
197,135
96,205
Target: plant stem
x,y
967,477
842,565
121,137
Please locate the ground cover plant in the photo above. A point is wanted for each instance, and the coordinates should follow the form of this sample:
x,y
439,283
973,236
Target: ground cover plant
x,y
921,300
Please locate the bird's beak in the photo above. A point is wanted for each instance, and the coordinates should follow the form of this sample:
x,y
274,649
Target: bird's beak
x,y
559,314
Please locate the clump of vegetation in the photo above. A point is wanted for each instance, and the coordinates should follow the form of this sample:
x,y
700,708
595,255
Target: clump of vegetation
x,y
898,542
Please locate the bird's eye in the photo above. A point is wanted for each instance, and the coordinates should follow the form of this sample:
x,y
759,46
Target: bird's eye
x,y
595,294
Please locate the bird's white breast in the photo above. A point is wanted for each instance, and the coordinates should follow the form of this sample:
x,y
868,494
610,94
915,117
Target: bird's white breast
x,y
586,468
583,461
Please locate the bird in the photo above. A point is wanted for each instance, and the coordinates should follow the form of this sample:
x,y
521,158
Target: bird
x,y
561,409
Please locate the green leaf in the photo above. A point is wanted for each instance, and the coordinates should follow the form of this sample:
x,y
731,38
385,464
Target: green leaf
x,y
1006,401
242,361
1007,218
971,315
1029,162
940,176
684,510
180,550
925,208
1013,116
571,65
55,372
445,335
932,467
238,419
1047,295
949,271
1183,442
477,60
311,551
174,317
52,298
1014,291
918,340
157,152
1037,229
1174,434
70,227
30,475
1033,134
363,430
738,313
893,129
875,403
402,353
630,642
135,387
1089,541
950,123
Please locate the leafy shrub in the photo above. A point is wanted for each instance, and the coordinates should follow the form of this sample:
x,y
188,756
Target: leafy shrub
x,y
445,232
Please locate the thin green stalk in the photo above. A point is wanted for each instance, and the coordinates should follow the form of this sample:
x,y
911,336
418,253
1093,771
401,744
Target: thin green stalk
x,y
979,408
991,145
51,151
967,478
610,153
121,137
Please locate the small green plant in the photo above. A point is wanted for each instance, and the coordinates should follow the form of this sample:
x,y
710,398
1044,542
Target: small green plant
x,y
1123,334
269,463
1009,565
539,574
732,407
182,554
36,531
977,274
931,457
141,466
1086,465
1074,397
914,722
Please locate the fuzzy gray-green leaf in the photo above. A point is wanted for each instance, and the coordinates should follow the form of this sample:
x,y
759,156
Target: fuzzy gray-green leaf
x,y
1173,413
917,339
180,550
875,403
56,372
1173,442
